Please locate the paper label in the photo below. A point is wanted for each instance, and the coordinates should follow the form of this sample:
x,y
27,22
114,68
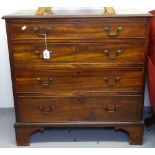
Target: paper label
x,y
46,54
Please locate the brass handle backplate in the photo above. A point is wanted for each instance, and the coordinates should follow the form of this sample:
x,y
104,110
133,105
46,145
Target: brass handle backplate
x,y
112,81
45,110
45,82
75,49
41,54
112,54
42,31
111,109
113,32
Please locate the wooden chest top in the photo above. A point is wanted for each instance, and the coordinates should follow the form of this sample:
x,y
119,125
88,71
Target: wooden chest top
x,y
78,12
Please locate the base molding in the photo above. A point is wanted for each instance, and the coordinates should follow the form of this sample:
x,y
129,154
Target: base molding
x,y
25,130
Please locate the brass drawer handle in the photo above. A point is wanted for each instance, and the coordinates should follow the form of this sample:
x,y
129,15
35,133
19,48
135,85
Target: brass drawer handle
x,y
44,110
75,49
111,109
41,54
112,81
112,54
113,32
45,82
42,31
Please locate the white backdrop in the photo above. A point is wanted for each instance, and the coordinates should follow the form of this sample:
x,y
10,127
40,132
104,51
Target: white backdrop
x,y
8,6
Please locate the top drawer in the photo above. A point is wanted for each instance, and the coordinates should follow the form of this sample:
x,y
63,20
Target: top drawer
x,y
77,29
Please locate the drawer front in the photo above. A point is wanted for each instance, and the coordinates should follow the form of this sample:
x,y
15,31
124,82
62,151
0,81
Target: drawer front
x,y
53,109
77,30
31,55
123,79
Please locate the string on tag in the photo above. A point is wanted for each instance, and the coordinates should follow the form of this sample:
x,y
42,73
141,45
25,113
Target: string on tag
x,y
46,52
46,41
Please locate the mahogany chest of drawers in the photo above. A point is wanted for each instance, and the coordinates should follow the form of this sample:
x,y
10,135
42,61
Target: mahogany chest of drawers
x,y
94,75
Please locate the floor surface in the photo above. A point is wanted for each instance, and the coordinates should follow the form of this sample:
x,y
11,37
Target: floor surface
x,y
66,138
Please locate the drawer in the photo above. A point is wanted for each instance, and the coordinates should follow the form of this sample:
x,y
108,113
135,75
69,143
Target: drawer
x,y
31,55
77,30
95,108
102,80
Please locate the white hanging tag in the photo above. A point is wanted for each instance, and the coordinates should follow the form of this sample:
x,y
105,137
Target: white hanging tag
x,y
46,54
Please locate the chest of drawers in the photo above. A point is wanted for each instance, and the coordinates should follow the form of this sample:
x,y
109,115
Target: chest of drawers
x,y
95,75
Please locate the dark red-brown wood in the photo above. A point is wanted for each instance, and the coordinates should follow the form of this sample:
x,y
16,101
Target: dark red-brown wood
x,y
79,80
31,55
95,76
68,109
74,30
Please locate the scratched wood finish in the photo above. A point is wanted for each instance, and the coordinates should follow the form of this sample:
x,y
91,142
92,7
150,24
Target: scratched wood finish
x,y
77,53
94,78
